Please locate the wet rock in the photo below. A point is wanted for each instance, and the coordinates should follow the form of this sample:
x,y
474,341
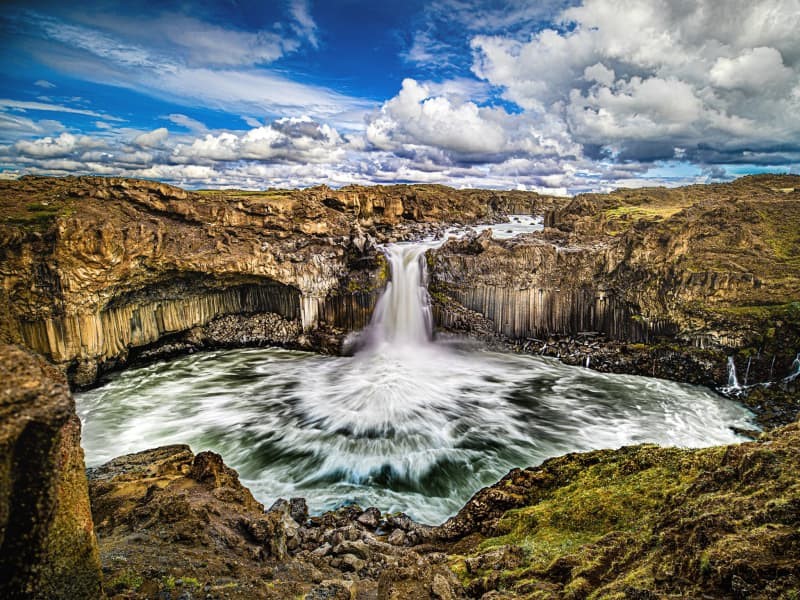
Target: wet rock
x,y
397,537
371,518
298,510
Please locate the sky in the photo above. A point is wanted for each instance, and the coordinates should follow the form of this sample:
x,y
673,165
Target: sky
x,y
557,96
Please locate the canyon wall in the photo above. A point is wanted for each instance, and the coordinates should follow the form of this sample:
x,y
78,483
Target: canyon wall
x,y
706,266
94,269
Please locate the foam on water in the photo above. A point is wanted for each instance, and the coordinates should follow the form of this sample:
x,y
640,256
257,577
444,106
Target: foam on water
x,y
405,424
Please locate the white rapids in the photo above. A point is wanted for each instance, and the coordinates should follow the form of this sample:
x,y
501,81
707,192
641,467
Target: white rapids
x,y
407,423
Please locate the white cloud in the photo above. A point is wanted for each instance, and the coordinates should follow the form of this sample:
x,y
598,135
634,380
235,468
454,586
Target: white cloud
x,y
303,23
640,78
51,147
289,139
152,139
43,83
416,117
195,64
599,73
8,104
755,70
186,122
204,44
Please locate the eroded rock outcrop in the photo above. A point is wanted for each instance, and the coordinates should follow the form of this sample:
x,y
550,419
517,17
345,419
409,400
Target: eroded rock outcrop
x,y
171,523
707,271
639,522
47,544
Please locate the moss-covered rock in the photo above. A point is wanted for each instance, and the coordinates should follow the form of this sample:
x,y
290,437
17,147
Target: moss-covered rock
x,y
47,544
639,522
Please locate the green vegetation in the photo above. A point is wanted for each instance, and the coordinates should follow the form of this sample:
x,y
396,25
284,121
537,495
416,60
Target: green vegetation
x,y
127,580
676,521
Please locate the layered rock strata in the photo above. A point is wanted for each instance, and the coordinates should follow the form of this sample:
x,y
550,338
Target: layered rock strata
x,y
707,271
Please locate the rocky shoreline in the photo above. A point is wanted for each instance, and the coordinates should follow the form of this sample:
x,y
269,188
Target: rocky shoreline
x,y
99,274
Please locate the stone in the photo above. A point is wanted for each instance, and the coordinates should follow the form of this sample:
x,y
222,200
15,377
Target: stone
x,y
370,518
350,562
298,510
47,543
397,537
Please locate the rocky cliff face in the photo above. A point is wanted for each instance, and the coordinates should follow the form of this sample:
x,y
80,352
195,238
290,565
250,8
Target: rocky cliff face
x,y
47,544
707,266
93,268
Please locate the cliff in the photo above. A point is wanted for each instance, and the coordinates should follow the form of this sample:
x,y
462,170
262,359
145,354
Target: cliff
x,y
94,268
705,267
47,544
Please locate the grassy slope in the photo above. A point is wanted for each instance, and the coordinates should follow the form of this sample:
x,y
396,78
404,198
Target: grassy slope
x,y
647,522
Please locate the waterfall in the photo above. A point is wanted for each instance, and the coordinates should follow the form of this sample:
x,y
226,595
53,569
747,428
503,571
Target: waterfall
x,y
403,313
733,382
747,371
795,373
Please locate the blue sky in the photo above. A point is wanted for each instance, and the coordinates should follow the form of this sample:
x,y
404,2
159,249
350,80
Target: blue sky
x,y
557,96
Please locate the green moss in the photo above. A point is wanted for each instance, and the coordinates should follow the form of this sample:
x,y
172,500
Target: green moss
x,y
127,580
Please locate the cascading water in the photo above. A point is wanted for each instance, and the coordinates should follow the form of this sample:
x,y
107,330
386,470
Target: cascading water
x,y
795,369
733,381
402,315
406,423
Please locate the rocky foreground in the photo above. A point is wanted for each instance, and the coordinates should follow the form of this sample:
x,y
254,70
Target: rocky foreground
x,y
640,522
637,523
99,273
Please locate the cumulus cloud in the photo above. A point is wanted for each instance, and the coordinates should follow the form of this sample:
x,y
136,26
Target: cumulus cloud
x,y
635,77
437,129
43,83
288,139
152,139
416,117
754,70
52,147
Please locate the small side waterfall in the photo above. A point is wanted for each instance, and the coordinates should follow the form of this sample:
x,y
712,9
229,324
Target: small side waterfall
x,y
795,372
403,313
733,382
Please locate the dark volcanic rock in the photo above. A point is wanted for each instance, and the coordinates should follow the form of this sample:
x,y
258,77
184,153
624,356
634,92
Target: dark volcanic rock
x,y
47,544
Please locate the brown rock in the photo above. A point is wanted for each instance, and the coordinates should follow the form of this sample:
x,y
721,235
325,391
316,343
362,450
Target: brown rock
x,y
47,543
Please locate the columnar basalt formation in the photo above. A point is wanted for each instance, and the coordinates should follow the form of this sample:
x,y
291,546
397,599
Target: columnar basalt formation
x,y
95,268
714,267
47,544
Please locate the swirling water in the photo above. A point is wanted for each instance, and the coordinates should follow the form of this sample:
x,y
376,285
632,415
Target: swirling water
x,y
405,424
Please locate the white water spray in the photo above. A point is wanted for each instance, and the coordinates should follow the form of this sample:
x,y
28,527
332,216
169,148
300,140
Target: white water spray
x,y
795,369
